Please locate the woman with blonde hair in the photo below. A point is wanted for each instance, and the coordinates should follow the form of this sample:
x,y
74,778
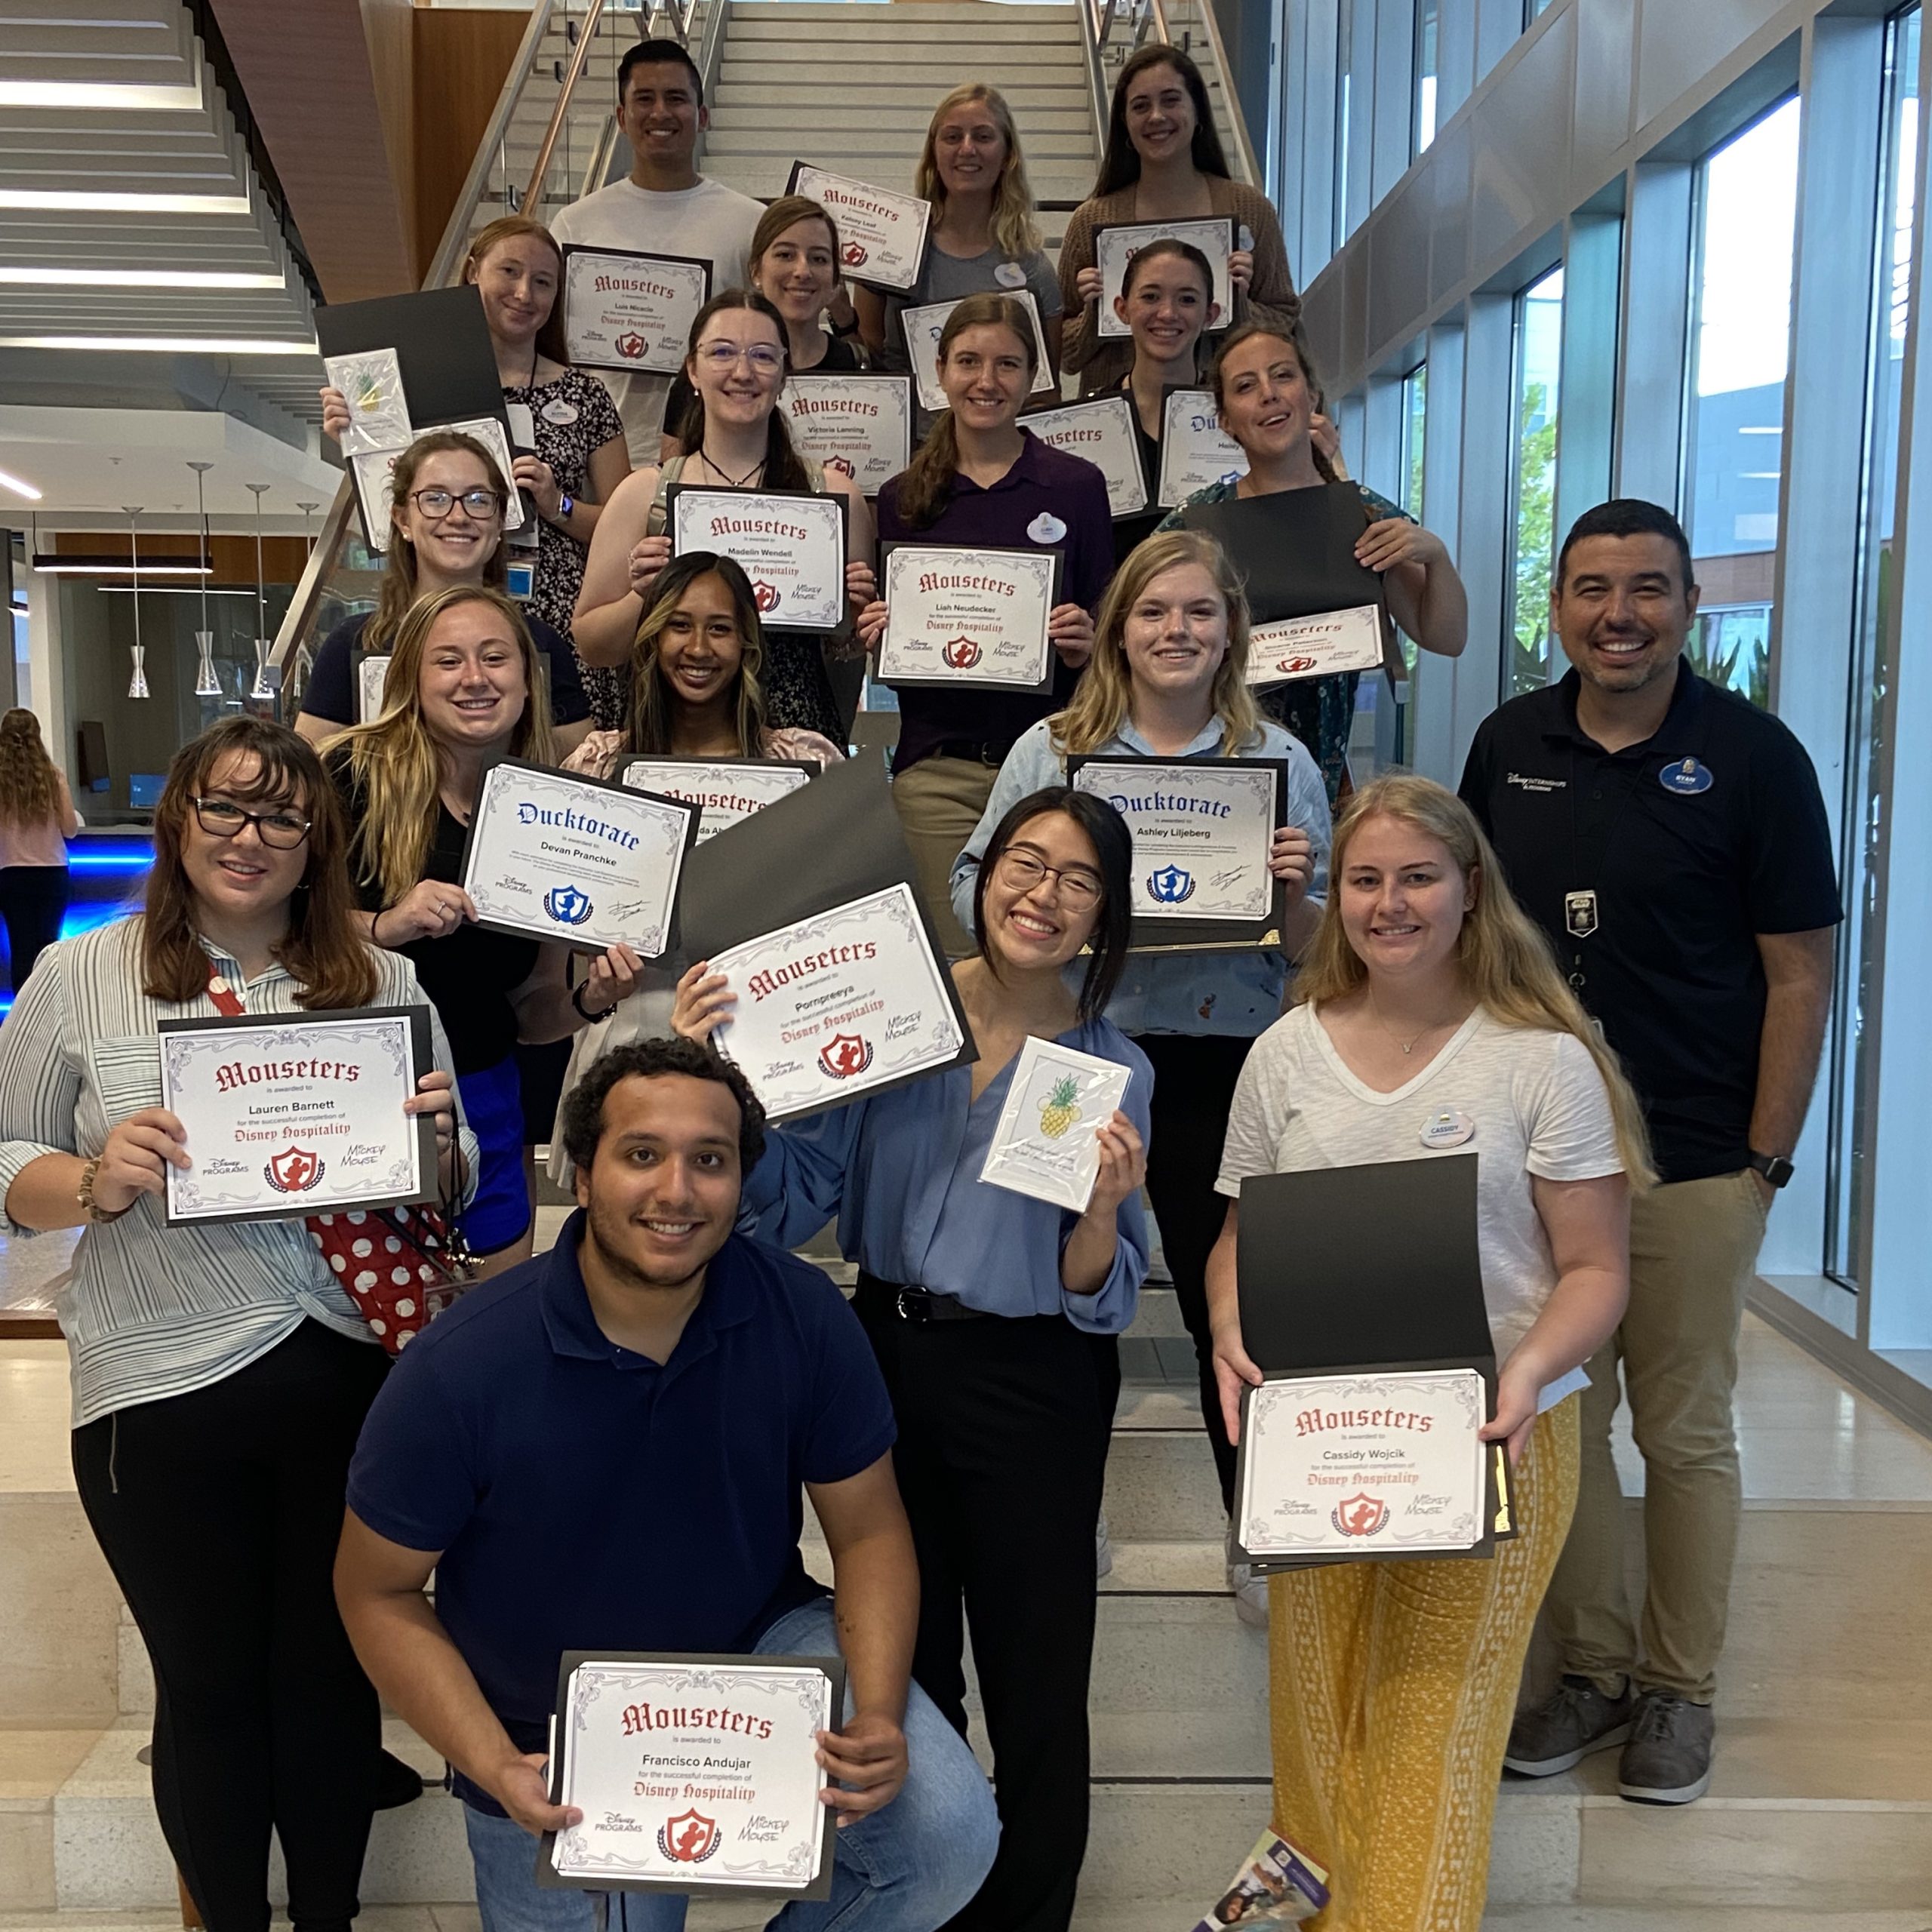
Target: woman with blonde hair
x,y
1428,994
458,697
984,236
1167,680
446,498
37,818
577,456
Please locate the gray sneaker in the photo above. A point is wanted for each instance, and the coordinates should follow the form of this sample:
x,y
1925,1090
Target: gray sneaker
x,y
1576,1719
1667,1760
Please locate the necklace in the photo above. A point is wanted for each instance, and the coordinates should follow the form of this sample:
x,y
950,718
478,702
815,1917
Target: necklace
x,y
1407,1046
730,482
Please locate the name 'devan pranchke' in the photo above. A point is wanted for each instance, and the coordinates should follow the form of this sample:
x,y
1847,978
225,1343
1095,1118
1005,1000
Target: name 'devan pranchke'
x,y
762,984
1313,1422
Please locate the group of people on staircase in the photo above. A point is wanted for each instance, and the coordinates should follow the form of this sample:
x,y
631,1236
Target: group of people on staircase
x,y
1628,1027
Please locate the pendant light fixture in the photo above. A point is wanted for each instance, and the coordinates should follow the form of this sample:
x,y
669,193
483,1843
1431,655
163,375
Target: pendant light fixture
x,y
207,684
263,692
137,685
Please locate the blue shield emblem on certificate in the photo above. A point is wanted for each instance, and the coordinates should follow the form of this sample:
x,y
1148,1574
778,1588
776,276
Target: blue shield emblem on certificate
x,y
1170,885
566,905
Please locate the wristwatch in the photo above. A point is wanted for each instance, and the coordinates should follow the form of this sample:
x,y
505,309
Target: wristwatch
x,y
1775,1168
565,504
90,1210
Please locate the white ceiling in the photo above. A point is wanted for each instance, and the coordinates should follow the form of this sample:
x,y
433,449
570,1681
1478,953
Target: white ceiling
x,y
88,462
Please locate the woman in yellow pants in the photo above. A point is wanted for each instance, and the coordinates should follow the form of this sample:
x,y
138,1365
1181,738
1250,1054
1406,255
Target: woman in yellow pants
x,y
1426,996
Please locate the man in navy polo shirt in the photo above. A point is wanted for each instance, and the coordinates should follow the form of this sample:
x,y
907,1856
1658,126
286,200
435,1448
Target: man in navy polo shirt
x,y
1670,838
604,1449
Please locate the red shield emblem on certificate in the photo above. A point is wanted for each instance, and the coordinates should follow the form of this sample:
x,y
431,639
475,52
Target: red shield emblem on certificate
x,y
689,1838
1294,664
631,346
845,1054
765,596
840,466
962,653
1360,1516
294,1170
854,254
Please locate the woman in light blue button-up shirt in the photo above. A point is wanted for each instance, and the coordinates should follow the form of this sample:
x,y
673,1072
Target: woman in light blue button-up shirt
x,y
994,1317
1166,680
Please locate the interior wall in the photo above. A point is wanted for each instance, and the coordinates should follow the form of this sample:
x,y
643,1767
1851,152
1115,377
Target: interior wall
x,y
461,55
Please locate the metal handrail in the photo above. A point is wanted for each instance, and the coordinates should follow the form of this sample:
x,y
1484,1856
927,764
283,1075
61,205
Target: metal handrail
x,y
444,266
1245,160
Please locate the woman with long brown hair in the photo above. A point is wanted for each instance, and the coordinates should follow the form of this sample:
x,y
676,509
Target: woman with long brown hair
x,y
983,237
220,1371
458,696
1269,399
37,818
446,498
1429,999
982,479
579,456
734,438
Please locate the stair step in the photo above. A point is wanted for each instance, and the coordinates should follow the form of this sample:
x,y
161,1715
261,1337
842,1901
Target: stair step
x,y
882,37
757,138
908,118
884,95
937,75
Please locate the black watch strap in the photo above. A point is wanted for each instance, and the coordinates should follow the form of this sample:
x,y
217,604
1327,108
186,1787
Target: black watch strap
x,y
1774,1168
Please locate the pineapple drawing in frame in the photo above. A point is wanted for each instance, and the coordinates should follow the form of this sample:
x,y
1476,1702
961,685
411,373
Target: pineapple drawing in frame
x,y
1061,1108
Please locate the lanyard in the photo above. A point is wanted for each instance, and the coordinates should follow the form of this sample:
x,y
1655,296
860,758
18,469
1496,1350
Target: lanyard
x,y
1582,909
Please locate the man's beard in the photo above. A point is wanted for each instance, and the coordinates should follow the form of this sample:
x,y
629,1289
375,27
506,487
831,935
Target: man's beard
x,y
606,1226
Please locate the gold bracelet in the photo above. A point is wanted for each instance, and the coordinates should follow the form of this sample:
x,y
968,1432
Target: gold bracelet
x,y
91,1211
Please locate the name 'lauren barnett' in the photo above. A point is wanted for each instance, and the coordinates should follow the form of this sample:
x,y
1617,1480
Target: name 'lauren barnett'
x,y
761,984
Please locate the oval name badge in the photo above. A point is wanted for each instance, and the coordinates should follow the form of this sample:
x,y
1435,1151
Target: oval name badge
x,y
1244,239
558,411
1010,275
1450,1128
1046,528
1686,776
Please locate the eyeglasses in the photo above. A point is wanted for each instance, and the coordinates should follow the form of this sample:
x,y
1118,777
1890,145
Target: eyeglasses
x,y
437,504
1023,871
765,361
221,818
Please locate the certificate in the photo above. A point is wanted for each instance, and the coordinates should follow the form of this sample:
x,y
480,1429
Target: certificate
x,y
1384,1463
791,543
374,472
489,431
372,677
1103,431
968,617
629,311
1294,647
859,427
694,1774
881,235
1195,450
924,326
1202,830
578,860
288,1116
839,1004
371,384
1046,1144
1114,246
723,790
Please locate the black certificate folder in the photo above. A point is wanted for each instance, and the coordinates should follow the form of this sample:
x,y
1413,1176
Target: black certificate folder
x,y
1295,550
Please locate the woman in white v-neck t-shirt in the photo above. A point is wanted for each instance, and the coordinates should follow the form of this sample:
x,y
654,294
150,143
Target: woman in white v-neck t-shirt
x,y
1431,1018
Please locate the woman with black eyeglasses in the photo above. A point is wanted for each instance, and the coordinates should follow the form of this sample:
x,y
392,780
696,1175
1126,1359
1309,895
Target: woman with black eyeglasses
x,y
995,1318
446,529
734,438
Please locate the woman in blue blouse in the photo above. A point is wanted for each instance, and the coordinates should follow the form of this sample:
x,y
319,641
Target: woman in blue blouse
x,y
1269,396
995,1318
1166,680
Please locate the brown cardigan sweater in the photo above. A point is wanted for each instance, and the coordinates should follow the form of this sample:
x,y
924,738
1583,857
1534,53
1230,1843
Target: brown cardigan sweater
x,y
1270,296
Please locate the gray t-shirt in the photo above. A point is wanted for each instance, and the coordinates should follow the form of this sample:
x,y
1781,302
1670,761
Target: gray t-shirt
x,y
951,277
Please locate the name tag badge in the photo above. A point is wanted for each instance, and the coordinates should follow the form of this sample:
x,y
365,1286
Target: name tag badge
x,y
1687,776
1580,914
1244,239
1046,528
1450,1128
558,411
1010,275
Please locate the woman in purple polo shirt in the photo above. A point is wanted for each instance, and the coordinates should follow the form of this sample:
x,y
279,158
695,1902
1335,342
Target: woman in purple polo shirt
x,y
981,481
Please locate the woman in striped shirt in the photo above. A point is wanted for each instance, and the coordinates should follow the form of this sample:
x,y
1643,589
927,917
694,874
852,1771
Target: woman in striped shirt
x,y
220,1372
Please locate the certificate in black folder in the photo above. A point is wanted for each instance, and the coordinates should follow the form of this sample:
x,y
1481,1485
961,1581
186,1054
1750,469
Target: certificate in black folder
x,y
1202,829
809,910
1360,1294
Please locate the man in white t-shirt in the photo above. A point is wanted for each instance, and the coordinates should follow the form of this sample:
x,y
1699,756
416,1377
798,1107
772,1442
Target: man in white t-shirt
x,y
663,207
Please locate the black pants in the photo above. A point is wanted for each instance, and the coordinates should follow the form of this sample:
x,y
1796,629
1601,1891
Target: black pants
x,y
1003,1433
1194,1087
32,901
219,1512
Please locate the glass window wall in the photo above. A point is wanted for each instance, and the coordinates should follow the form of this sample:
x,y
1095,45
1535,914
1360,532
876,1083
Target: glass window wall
x,y
1539,345
1428,69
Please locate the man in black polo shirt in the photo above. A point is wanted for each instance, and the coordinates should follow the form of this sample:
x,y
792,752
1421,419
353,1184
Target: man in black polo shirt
x,y
604,1449
1670,838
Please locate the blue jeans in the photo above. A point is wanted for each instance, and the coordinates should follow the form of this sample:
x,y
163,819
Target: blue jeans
x,y
907,1868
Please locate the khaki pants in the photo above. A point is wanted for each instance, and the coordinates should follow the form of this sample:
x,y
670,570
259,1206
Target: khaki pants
x,y
1694,1249
940,801
1391,1690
